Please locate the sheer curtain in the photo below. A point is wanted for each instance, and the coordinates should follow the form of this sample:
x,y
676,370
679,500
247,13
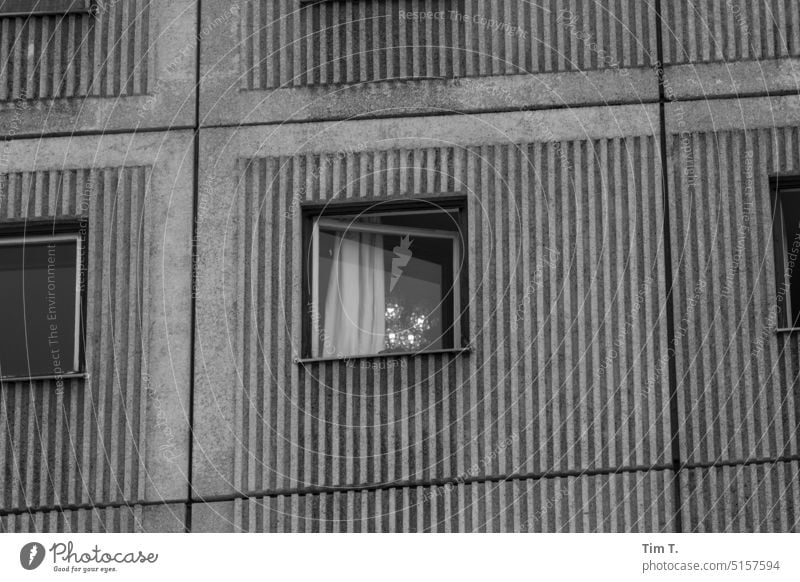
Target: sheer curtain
x,y
355,303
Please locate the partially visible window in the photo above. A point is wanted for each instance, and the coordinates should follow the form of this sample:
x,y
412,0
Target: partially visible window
x,y
786,228
385,279
44,7
40,304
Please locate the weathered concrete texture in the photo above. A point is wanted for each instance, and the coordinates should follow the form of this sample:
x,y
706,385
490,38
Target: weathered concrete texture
x,y
752,498
710,80
214,517
556,380
169,518
357,42
738,377
627,502
440,96
126,519
379,63
720,48
561,163
221,147
754,113
222,311
697,31
132,66
122,435
55,57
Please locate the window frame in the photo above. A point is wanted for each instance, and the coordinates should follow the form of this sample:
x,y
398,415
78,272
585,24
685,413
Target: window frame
x,y
313,212
48,229
47,8
778,185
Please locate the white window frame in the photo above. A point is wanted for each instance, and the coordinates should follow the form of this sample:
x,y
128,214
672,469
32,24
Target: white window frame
x,y
329,223
33,240
787,297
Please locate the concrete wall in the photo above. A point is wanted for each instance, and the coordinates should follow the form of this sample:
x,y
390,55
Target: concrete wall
x,y
278,61
131,67
108,446
161,518
737,376
121,435
628,502
590,401
537,375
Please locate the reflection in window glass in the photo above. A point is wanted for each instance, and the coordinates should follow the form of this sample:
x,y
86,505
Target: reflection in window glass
x,y
386,283
39,306
788,257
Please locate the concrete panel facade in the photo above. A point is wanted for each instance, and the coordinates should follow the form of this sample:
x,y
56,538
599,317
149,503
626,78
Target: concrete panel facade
x,y
623,372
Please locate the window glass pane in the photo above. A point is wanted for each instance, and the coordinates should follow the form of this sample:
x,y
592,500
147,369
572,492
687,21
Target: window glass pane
x,y
386,283
790,209
37,308
24,7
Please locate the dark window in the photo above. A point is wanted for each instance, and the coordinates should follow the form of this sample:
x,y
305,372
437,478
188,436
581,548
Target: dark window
x,y
44,7
40,303
385,278
787,250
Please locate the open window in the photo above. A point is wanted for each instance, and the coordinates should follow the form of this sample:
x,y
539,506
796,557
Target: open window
x,y
385,278
786,231
40,302
25,8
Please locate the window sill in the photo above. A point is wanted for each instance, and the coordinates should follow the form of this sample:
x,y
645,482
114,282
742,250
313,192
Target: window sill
x,y
71,376
348,359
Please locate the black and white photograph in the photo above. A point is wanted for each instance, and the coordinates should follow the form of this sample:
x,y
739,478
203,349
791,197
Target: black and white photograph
x,y
399,266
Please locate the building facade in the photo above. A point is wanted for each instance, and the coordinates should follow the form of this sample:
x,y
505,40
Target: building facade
x,y
626,361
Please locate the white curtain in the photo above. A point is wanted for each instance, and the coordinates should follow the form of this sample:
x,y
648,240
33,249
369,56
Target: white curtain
x,y
355,303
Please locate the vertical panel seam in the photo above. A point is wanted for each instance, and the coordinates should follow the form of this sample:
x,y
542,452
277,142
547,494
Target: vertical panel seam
x,y
669,300
193,309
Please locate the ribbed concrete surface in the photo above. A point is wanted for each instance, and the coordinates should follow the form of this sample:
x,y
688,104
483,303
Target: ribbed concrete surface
x,y
696,31
566,345
750,498
123,520
286,44
627,502
167,518
85,444
76,55
737,378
